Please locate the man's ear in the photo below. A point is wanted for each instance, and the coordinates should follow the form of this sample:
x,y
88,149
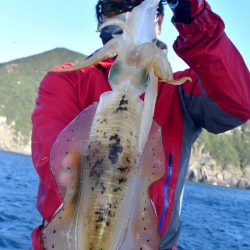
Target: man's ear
x,y
159,24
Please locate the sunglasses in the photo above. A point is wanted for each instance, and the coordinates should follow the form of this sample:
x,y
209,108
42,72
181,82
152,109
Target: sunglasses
x,y
111,9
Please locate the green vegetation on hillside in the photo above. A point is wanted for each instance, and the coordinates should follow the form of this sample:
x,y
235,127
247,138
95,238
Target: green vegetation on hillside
x,y
19,85
228,149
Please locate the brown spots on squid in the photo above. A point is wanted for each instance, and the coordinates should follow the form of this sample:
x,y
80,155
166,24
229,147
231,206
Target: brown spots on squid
x,y
124,169
96,170
103,188
117,189
104,215
127,159
104,121
96,173
115,148
91,246
105,135
123,105
101,185
122,180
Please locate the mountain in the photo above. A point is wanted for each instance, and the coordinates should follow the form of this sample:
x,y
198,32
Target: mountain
x,y
218,159
18,89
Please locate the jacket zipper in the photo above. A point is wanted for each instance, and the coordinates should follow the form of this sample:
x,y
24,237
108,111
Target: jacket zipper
x,y
165,194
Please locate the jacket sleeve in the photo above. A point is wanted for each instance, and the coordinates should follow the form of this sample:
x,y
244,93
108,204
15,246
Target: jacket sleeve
x,y
218,98
56,106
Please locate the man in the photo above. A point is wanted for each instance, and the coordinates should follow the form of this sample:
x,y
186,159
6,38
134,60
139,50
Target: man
x,y
216,99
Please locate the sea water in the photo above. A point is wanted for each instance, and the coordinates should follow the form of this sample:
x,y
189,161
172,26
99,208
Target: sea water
x,y
213,217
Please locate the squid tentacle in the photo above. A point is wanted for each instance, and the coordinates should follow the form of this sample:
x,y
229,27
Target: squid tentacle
x,y
111,49
177,81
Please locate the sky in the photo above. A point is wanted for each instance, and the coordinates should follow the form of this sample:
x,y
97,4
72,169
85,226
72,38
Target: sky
x,y
29,27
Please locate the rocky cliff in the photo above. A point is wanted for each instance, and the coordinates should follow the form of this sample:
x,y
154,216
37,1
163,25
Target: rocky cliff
x,y
10,141
203,168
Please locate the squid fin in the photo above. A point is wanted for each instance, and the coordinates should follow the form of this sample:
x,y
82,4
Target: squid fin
x,y
141,231
66,165
63,221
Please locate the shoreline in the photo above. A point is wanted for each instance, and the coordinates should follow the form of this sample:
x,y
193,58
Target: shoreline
x,y
198,174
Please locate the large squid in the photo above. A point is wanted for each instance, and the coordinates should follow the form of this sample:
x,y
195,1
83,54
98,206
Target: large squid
x,y
105,160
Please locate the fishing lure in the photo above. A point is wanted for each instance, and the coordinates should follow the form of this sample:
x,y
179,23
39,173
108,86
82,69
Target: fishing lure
x,y
105,160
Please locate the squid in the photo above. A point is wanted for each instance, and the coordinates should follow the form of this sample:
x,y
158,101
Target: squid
x,y
106,159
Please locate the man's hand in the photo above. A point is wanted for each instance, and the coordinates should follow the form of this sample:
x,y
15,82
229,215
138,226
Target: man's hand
x,y
185,10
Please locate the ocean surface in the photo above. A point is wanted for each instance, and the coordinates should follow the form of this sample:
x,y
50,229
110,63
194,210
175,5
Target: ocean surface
x,y
213,217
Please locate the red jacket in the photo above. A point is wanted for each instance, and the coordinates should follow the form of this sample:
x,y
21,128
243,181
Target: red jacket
x,y
217,99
